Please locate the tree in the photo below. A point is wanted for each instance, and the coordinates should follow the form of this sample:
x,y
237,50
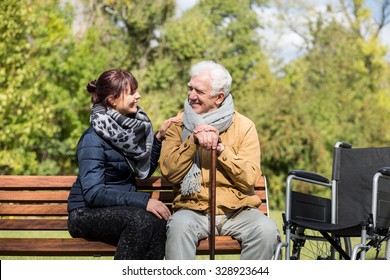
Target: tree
x,y
34,39
225,31
47,67
336,92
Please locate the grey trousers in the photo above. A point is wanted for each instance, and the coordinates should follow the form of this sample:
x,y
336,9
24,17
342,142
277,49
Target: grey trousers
x,y
258,233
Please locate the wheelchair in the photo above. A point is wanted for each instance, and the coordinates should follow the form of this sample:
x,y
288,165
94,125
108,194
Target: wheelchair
x,y
356,208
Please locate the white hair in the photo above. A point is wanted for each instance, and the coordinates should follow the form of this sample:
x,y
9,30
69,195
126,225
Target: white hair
x,y
220,77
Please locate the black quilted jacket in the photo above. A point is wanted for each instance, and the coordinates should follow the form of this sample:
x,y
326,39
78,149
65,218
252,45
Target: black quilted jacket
x,y
105,177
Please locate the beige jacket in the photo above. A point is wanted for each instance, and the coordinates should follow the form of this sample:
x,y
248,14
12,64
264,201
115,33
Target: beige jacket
x,y
238,167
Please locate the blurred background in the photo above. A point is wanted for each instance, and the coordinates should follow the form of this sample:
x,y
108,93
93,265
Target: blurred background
x,y
308,73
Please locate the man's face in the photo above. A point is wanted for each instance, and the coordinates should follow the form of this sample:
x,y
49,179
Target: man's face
x,y
200,94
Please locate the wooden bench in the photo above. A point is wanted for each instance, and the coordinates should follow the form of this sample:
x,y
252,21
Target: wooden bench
x,y
39,203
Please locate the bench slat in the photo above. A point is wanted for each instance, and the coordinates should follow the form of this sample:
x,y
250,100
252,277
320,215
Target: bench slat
x,y
82,247
62,197
36,182
223,245
154,181
34,196
34,224
264,209
261,194
34,210
166,197
52,210
65,182
54,247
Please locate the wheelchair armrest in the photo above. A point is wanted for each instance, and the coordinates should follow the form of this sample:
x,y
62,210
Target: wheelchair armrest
x,y
309,175
385,171
344,145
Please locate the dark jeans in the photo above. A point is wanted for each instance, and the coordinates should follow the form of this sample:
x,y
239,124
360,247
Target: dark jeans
x,y
138,234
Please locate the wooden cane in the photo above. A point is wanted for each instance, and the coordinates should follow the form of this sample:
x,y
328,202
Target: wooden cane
x,y
212,192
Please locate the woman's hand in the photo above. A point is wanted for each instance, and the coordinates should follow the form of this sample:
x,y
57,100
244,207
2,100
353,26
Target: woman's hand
x,y
164,127
158,208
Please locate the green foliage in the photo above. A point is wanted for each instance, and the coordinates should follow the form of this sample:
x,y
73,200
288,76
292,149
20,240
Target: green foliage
x,y
336,92
30,50
339,90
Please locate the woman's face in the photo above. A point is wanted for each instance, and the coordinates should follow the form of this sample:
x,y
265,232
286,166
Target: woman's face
x,y
126,103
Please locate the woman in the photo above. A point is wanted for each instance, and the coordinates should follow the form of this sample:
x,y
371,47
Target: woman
x,y
117,148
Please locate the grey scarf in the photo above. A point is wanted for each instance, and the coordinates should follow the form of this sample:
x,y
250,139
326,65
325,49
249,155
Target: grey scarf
x,y
132,135
220,119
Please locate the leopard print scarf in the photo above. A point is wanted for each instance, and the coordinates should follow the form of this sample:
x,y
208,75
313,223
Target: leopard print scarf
x,y
132,135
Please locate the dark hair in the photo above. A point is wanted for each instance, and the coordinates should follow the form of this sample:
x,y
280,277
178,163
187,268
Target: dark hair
x,y
111,83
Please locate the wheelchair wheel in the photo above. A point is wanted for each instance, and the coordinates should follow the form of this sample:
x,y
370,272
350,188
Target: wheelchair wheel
x,y
311,245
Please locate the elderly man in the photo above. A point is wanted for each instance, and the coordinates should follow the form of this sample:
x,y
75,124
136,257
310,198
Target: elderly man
x,y
208,122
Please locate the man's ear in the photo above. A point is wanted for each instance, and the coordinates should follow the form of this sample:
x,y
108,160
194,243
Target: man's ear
x,y
220,98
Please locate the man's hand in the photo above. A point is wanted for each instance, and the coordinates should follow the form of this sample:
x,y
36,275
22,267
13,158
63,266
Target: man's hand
x,y
207,136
